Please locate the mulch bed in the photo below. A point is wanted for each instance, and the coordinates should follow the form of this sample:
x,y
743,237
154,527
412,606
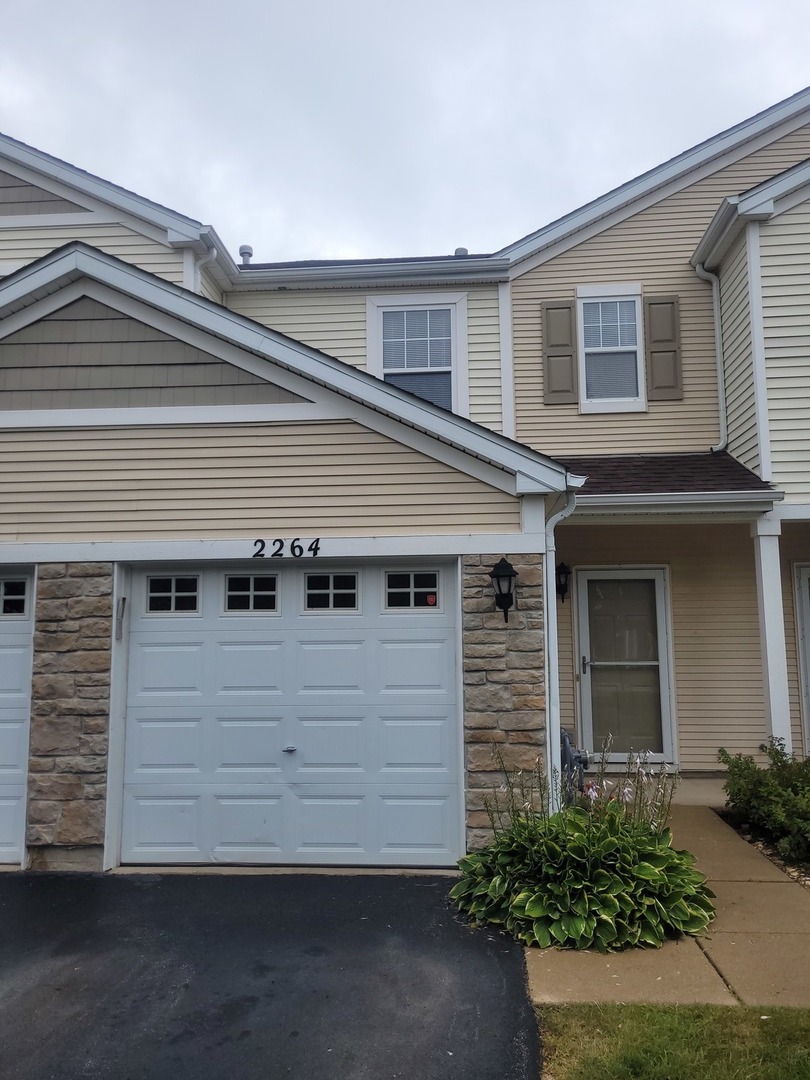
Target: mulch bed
x,y
740,826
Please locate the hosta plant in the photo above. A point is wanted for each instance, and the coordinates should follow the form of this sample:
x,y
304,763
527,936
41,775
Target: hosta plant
x,y
599,875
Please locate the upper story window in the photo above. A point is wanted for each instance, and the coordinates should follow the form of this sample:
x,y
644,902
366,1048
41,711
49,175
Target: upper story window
x,y
610,350
418,342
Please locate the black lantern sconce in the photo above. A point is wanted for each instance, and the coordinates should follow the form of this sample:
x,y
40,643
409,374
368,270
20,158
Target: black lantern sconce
x,y
503,576
562,576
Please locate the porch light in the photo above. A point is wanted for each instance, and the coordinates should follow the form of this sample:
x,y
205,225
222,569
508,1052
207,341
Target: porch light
x,y
562,575
503,576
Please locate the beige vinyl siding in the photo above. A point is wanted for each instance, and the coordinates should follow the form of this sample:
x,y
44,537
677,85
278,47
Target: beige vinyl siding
x,y
23,245
18,198
719,699
743,441
795,551
652,248
785,269
87,355
334,321
330,478
483,357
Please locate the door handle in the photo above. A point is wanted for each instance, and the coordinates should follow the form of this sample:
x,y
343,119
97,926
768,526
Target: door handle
x,y
289,749
584,665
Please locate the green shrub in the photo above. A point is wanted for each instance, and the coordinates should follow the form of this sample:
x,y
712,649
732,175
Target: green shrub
x,y
775,801
600,875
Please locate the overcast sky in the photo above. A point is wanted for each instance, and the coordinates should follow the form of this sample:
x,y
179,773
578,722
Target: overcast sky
x,y
350,128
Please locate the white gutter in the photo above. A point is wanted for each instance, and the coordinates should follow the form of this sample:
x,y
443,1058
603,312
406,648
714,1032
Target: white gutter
x,y
552,660
675,500
485,269
707,275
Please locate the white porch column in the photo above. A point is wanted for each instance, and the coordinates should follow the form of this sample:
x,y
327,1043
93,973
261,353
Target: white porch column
x,y
765,532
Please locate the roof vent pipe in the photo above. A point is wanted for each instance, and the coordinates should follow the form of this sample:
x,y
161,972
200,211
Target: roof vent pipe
x,y
460,253
245,254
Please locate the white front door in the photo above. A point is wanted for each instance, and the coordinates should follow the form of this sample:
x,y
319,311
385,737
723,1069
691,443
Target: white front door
x,y
16,637
625,685
304,714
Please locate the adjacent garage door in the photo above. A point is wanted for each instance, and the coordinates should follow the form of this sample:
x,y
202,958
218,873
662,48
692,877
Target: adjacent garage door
x,y
16,634
297,714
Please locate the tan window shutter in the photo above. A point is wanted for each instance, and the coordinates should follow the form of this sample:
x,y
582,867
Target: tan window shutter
x,y
662,335
559,352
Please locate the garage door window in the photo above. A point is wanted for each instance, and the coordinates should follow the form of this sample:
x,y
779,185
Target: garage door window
x,y
251,592
12,597
168,595
406,590
331,592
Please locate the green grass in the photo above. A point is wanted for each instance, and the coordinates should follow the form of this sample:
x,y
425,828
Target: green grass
x,y
678,1042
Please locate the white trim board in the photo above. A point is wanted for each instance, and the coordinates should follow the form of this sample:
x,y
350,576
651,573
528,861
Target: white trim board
x,y
801,596
234,550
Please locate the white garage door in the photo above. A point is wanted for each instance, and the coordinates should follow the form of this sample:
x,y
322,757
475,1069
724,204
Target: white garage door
x,y
293,715
16,635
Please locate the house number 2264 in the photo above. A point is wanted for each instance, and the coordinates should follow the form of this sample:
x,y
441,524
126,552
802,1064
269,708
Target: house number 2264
x,y
280,548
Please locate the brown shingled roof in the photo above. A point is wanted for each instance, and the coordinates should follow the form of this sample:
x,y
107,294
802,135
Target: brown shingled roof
x,y
662,474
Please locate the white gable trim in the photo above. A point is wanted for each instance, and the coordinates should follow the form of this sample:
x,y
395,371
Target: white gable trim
x,y
651,188
97,211
378,406
61,177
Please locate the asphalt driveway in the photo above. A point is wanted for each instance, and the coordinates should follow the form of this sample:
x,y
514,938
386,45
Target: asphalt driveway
x,y
237,977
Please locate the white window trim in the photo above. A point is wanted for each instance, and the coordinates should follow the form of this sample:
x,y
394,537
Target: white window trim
x,y
456,302
611,405
802,601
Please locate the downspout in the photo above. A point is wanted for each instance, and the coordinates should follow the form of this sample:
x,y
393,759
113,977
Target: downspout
x,y
552,664
198,266
707,275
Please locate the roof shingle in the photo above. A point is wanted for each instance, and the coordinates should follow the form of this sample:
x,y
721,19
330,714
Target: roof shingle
x,y
662,474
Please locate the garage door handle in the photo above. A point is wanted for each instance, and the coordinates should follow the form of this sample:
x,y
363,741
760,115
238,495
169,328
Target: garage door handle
x,y
290,749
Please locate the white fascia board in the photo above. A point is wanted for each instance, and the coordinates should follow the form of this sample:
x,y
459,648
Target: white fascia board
x,y
183,415
645,191
205,317
793,511
86,184
242,549
369,275
732,501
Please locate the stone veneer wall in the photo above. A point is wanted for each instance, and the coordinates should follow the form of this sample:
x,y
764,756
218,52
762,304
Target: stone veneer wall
x,y
70,707
504,682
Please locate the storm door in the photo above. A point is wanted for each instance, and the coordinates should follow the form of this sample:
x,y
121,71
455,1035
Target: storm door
x,y
624,672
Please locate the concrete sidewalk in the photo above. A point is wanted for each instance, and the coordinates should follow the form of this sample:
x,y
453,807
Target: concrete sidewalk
x,y
757,951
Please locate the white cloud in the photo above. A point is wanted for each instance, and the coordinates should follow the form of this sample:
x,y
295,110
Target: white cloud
x,y
327,129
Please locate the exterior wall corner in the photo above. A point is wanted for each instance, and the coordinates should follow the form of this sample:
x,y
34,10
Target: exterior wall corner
x,y
504,684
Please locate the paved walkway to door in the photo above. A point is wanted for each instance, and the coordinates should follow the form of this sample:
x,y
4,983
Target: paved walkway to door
x,y
198,976
757,951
